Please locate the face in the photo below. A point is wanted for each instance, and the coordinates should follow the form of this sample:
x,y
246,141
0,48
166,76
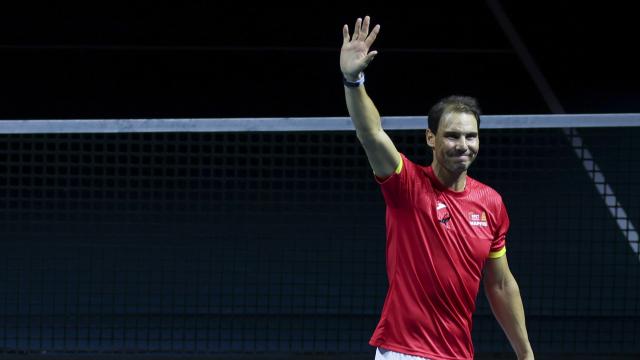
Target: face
x,y
456,143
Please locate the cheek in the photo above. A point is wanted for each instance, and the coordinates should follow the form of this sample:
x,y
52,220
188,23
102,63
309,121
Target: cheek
x,y
446,149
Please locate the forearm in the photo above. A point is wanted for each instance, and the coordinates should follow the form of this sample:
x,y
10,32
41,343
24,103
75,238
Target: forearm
x,y
506,304
363,112
354,58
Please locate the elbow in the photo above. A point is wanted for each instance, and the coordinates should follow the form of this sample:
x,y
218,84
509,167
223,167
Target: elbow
x,y
505,287
368,137
512,289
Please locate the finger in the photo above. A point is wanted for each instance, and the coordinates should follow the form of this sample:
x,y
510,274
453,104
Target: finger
x,y
372,36
356,29
345,34
365,26
367,59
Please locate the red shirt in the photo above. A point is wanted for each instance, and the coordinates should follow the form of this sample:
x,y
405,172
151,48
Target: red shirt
x,y
437,243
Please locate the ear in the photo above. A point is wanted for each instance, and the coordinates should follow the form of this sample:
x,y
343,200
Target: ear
x,y
431,138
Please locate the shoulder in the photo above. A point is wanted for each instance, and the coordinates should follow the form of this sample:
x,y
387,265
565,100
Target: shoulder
x,y
419,176
485,193
414,168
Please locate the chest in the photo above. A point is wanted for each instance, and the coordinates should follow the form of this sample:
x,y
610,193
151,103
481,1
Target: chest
x,y
458,217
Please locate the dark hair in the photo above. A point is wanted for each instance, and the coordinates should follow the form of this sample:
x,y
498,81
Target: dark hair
x,y
454,103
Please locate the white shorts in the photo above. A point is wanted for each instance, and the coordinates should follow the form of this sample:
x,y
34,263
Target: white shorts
x,y
384,354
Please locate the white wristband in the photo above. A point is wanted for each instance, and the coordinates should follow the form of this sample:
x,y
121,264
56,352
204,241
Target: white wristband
x,y
354,84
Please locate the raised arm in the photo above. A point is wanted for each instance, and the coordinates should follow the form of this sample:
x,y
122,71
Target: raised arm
x,y
354,58
503,294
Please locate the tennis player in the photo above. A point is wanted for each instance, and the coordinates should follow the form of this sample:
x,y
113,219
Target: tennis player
x,y
445,230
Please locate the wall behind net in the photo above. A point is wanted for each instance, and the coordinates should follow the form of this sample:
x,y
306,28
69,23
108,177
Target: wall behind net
x,y
274,242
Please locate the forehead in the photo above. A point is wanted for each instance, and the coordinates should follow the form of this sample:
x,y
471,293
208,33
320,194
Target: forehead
x,y
459,122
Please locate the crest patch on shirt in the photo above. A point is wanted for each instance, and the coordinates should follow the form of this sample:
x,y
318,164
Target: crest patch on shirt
x,y
443,214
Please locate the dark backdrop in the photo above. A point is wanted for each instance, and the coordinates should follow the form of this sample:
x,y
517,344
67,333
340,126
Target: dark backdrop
x,y
242,59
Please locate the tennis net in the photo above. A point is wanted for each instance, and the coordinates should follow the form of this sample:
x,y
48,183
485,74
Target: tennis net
x,y
190,236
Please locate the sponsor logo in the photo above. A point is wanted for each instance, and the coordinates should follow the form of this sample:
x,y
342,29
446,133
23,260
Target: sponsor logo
x,y
476,219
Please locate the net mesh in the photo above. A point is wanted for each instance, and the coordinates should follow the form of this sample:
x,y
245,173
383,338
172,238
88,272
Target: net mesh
x,y
253,242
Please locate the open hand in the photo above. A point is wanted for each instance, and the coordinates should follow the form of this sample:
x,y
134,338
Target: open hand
x,y
355,55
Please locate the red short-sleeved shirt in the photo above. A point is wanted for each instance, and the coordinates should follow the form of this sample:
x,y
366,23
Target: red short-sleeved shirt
x,y
438,241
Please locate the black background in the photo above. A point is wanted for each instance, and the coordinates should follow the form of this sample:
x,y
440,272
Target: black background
x,y
242,59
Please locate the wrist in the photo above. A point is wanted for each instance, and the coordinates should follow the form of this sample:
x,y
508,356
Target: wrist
x,y
351,81
527,355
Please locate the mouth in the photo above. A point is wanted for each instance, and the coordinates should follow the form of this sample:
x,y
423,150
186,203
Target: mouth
x,y
462,157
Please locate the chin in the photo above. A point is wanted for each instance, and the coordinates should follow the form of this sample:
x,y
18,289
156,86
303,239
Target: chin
x,y
458,168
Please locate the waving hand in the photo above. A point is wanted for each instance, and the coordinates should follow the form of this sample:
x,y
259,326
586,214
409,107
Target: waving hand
x,y
355,54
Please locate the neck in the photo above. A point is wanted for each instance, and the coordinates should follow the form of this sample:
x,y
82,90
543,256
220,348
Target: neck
x,y
453,181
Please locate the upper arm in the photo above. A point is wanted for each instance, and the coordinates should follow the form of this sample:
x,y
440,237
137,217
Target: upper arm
x,y
383,156
497,273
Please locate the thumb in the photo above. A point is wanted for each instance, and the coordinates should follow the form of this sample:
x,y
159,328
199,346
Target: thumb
x,y
367,59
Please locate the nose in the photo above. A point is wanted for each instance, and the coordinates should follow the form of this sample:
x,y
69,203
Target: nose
x,y
461,144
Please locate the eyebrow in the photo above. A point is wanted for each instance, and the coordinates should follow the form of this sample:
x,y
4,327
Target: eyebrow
x,y
458,133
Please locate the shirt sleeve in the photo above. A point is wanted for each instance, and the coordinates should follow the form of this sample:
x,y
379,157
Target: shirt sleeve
x,y
498,245
397,189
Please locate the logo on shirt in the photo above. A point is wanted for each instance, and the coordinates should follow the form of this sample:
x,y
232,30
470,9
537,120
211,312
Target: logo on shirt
x,y
443,214
476,219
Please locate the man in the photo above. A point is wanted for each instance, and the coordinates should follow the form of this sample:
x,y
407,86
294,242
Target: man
x,y
444,229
